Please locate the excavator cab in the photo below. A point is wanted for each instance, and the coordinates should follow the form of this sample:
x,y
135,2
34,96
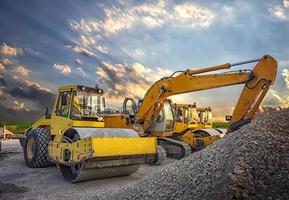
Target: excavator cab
x,y
165,121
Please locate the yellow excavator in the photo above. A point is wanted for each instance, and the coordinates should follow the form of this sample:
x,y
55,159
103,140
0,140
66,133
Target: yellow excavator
x,y
154,116
74,138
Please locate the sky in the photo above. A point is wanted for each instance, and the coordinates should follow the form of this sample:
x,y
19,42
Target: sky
x,y
125,46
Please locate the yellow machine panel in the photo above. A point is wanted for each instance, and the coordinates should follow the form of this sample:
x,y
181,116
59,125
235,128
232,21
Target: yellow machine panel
x,y
197,142
92,147
117,121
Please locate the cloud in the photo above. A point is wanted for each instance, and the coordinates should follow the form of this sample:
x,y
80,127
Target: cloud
x,y
16,105
282,101
81,71
2,68
2,91
9,51
22,71
286,3
82,51
78,62
22,90
63,69
87,40
121,80
193,15
18,94
137,53
285,74
28,90
280,12
9,114
102,49
7,62
35,85
150,15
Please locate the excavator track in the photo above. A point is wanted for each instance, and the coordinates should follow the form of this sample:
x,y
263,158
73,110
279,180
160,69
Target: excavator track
x,y
174,148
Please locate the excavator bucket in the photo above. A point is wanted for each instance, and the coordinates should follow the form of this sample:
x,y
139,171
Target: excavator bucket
x,y
92,153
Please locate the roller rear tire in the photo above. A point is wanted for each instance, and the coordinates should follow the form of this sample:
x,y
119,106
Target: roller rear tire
x,y
36,148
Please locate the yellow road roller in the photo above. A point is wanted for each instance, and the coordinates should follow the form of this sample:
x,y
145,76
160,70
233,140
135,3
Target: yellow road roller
x,y
74,138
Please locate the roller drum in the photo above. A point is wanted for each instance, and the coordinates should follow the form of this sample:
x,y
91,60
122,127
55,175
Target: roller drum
x,y
97,168
80,173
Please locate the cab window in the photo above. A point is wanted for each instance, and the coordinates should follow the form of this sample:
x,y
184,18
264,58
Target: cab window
x,y
169,117
63,105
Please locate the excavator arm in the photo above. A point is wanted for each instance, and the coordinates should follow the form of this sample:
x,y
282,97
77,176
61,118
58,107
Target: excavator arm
x,y
256,84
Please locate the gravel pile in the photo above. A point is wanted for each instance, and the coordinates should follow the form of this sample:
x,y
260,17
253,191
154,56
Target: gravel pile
x,y
251,163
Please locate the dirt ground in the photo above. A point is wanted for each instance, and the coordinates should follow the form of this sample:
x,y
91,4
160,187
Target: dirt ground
x,y
17,181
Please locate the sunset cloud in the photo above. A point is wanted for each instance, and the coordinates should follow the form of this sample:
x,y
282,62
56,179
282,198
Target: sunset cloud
x,y
123,80
193,15
16,105
77,61
16,92
285,74
7,62
280,12
1,91
150,15
23,90
2,68
32,84
22,71
102,49
9,51
81,51
282,101
63,69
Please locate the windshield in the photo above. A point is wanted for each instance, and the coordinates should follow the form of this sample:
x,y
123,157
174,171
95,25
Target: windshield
x,y
169,116
87,105
192,115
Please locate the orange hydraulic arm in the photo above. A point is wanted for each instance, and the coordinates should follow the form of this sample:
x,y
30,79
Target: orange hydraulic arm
x,y
257,83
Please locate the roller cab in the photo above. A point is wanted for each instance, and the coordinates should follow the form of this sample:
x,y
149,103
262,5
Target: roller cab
x,y
189,116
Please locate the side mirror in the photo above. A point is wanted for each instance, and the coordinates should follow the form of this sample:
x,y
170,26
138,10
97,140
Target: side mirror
x,y
46,111
64,99
47,114
228,118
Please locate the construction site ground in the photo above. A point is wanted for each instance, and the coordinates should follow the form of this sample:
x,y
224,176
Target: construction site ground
x,y
17,181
